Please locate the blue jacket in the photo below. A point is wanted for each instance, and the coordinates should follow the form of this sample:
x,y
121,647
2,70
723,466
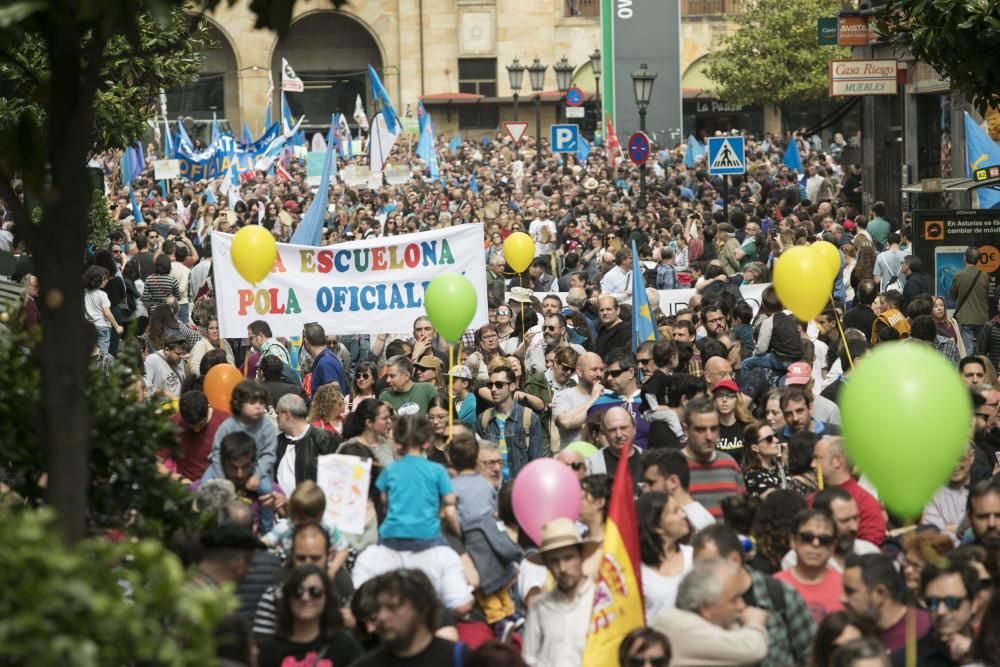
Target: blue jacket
x,y
326,369
522,448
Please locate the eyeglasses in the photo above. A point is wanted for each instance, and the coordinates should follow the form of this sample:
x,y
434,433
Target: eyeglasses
x,y
639,661
311,592
769,438
489,463
610,373
812,538
499,385
952,602
490,337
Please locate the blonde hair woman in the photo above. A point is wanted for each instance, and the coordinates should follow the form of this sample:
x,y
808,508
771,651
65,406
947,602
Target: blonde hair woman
x,y
327,408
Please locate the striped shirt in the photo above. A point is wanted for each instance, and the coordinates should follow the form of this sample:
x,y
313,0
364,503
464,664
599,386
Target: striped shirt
x,y
157,289
714,481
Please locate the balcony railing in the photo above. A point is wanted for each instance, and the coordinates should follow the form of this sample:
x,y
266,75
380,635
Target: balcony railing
x,y
592,8
586,8
709,7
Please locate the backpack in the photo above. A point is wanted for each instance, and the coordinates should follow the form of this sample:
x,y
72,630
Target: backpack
x,y
487,416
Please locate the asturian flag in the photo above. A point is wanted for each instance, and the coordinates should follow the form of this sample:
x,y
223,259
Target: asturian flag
x,y
289,81
617,608
643,325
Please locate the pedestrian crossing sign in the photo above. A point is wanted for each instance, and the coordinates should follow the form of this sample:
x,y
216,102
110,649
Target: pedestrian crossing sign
x,y
726,155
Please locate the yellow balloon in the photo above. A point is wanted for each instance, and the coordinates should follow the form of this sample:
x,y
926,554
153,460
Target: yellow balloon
x,y
254,251
827,253
519,250
803,282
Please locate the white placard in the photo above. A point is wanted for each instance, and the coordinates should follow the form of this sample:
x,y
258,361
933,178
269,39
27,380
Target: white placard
x,y
344,480
166,169
368,286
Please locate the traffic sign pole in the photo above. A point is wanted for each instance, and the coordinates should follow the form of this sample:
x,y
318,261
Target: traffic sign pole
x,y
725,197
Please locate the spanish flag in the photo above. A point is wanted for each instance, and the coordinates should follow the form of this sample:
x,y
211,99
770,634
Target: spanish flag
x,y
618,608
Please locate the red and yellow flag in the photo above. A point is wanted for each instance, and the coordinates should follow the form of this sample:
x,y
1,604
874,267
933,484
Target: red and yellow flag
x,y
612,147
618,608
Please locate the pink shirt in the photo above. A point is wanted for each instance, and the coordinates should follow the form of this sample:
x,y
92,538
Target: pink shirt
x,y
822,597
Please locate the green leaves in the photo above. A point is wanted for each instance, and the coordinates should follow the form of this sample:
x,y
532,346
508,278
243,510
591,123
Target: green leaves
x,y
960,39
127,492
772,57
99,603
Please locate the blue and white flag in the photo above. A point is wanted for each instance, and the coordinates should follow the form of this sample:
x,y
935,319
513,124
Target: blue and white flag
x,y
269,100
582,150
380,143
981,151
474,184
184,141
247,137
216,130
388,111
455,143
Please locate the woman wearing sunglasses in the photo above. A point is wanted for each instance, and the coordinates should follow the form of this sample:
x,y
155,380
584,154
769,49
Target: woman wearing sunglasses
x,y
310,630
763,470
363,385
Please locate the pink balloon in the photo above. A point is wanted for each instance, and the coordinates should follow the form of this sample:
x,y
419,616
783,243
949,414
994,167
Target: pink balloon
x,y
544,490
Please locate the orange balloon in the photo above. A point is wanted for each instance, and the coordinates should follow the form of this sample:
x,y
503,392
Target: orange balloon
x,y
220,381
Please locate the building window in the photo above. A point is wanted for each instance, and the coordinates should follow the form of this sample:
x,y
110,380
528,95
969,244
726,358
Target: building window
x,y
199,98
478,76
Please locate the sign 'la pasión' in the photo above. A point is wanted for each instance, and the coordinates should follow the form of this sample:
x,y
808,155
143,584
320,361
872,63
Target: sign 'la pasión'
x,y
364,285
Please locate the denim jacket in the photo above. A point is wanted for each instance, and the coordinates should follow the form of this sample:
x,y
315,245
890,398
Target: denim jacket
x,y
522,448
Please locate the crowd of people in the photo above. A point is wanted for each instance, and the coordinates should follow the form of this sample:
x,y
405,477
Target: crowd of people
x,y
760,542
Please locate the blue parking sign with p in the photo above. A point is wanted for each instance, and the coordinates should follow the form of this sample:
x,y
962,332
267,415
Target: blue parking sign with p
x,y
564,138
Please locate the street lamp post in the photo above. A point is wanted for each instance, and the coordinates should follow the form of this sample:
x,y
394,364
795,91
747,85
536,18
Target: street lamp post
x,y
515,74
564,78
642,85
536,72
595,67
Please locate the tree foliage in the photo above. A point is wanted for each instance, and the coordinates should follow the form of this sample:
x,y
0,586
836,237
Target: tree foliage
x,y
960,39
773,56
99,603
126,491
165,55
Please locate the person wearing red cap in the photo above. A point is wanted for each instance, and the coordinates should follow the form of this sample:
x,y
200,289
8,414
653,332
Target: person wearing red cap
x,y
733,418
800,374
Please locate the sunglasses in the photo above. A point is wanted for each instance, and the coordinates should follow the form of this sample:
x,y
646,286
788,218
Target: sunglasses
x,y
577,465
503,313
613,374
311,592
952,602
361,376
645,361
568,369
639,661
812,538
769,438
551,329
499,385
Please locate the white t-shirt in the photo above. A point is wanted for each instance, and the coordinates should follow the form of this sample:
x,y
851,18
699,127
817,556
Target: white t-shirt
x,y
535,229
94,303
659,592
441,565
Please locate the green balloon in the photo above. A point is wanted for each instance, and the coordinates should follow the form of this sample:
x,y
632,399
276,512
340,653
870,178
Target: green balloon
x,y
906,417
450,301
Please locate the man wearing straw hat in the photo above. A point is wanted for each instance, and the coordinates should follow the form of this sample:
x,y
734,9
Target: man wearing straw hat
x,y
556,631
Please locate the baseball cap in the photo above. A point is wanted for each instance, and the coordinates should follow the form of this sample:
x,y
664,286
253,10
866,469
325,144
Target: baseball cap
x,y
429,361
798,373
174,340
725,384
460,372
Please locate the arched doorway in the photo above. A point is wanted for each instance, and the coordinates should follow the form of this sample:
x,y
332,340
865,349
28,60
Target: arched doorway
x,y
330,52
215,91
